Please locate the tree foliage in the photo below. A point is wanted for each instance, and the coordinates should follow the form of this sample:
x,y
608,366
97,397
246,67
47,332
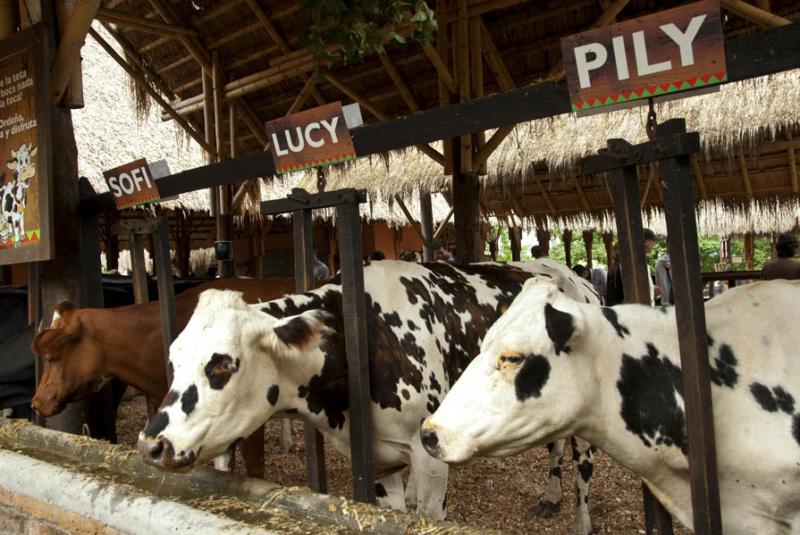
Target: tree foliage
x,y
351,30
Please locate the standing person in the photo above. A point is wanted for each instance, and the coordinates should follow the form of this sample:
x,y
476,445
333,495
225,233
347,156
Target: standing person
x,y
664,279
321,271
783,267
614,290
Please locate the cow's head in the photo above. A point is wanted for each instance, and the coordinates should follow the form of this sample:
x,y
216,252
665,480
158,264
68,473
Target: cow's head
x,y
232,367
525,388
22,162
72,362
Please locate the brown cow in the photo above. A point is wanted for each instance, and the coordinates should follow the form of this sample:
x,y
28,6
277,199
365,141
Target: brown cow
x,y
85,347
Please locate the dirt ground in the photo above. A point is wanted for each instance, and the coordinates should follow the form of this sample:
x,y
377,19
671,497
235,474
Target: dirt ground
x,y
491,493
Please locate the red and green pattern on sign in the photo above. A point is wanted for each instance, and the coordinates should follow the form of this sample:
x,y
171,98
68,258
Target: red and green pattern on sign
x,y
316,163
652,91
30,236
139,202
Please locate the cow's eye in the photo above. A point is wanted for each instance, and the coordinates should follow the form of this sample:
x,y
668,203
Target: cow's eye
x,y
510,360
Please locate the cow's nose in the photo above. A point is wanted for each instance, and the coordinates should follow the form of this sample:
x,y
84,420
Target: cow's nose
x,y
429,441
153,448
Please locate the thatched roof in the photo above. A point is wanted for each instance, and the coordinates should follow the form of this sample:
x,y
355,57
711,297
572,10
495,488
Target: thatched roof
x,y
526,37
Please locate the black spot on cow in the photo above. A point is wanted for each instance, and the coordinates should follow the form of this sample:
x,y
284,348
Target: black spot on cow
x,y
272,394
585,469
392,319
433,403
560,327
532,377
435,384
189,400
171,397
327,391
796,428
156,424
296,332
406,394
171,369
412,325
710,340
555,471
380,491
220,369
649,386
611,315
723,370
774,399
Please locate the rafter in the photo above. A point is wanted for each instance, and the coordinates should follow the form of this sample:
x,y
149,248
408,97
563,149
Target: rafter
x,y
394,74
581,194
748,186
441,68
754,14
69,48
409,217
443,224
141,23
698,175
546,196
496,63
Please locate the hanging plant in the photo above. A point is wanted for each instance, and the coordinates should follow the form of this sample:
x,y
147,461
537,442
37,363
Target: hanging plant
x,y
350,30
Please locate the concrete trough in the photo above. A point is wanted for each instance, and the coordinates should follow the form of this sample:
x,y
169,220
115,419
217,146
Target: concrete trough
x,y
54,483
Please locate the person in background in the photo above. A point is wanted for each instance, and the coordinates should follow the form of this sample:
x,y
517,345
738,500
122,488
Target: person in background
x,y
664,279
581,271
537,251
614,291
599,276
376,255
783,267
411,256
321,271
440,252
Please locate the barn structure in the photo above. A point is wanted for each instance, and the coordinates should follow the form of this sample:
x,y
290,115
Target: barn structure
x,y
477,115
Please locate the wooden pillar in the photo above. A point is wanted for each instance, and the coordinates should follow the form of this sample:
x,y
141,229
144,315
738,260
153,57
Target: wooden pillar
x,y
588,239
426,220
749,251
567,239
693,340
73,95
7,18
515,237
608,243
543,237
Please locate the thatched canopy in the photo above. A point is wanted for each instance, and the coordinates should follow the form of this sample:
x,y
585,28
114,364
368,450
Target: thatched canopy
x,y
749,129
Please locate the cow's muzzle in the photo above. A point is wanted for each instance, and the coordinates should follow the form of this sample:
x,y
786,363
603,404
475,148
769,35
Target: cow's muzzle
x,y
46,405
159,452
430,441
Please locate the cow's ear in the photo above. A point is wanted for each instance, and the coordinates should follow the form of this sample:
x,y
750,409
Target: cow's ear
x,y
563,327
52,341
12,164
295,333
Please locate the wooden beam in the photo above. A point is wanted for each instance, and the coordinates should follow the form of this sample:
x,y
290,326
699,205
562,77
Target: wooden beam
x,y
461,46
394,74
443,224
441,68
792,162
191,43
141,23
754,14
298,103
546,197
698,175
581,194
748,186
152,92
409,217
491,144
69,48
496,63
369,106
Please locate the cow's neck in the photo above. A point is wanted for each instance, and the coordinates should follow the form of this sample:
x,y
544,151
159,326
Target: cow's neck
x,y
664,467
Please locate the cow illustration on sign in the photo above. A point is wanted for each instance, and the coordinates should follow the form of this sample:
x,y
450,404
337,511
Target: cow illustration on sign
x,y
14,192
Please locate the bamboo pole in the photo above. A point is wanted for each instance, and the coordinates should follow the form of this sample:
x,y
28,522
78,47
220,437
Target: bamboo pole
x,y
441,69
402,88
141,23
754,14
152,92
69,49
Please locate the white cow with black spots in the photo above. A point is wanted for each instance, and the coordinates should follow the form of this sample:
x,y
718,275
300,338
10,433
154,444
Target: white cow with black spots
x,y
551,366
236,366
14,192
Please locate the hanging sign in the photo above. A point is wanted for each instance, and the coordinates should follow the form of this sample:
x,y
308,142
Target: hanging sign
x,y
132,184
675,50
313,138
25,208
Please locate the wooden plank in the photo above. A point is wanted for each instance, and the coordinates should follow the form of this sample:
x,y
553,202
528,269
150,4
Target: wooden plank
x,y
747,57
348,221
628,216
166,290
302,200
690,315
304,281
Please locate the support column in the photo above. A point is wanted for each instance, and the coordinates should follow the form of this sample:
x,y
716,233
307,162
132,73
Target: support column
x,y
466,213
515,237
543,237
608,243
426,220
567,239
749,251
588,239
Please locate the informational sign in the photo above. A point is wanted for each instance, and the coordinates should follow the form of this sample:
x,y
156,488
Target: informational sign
x,y
313,138
25,212
132,184
675,50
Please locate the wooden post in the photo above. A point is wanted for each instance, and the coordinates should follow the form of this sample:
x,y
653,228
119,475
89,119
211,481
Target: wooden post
x,y
354,312
693,341
515,237
567,239
7,18
543,238
35,319
73,95
588,239
608,243
749,250
426,222
139,269
304,281
166,290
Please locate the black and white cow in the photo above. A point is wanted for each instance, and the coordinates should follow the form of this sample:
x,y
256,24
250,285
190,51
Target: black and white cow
x,y
237,365
551,366
14,192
